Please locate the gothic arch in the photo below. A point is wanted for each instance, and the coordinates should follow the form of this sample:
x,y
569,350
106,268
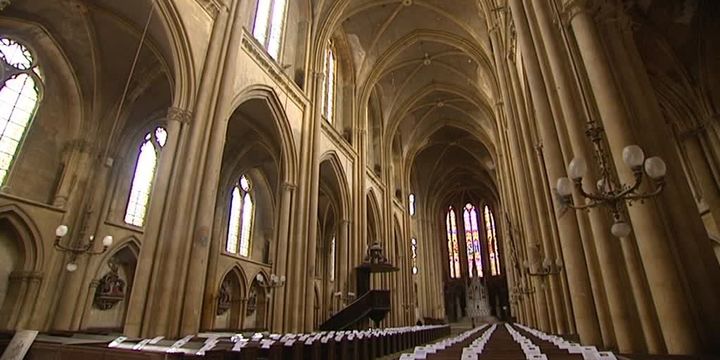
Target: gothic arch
x,y
30,242
280,121
339,176
374,225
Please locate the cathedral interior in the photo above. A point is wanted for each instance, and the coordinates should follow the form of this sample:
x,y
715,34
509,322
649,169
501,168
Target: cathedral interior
x,y
175,167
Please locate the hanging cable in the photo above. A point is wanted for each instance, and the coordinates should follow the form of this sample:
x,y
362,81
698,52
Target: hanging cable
x,y
129,78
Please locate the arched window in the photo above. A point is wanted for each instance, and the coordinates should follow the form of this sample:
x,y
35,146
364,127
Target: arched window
x,y
492,241
144,176
330,84
413,249
472,239
451,225
241,217
19,98
411,204
270,24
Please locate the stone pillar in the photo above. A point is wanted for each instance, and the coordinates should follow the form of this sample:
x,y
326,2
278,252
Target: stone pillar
x,y
152,290
571,242
672,307
614,272
282,250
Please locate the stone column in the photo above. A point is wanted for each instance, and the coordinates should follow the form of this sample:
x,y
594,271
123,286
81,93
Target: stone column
x,y
282,250
614,273
196,254
571,242
672,307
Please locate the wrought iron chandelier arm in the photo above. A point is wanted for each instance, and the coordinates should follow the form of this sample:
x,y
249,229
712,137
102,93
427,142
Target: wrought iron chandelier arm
x,y
658,189
79,250
626,193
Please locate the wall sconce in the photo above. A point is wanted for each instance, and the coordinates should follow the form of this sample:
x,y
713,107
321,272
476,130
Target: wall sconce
x,y
345,297
609,193
86,248
548,267
274,282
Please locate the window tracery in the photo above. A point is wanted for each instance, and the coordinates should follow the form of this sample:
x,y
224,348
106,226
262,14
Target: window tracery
x,y
240,224
270,24
472,239
144,176
453,249
19,98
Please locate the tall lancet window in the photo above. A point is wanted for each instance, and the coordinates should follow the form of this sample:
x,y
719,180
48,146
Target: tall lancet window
x,y
472,239
332,259
452,239
492,241
19,98
270,24
411,204
241,218
413,249
144,176
330,89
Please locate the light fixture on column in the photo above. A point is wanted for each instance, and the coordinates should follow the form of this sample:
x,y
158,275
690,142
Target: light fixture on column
x,y
272,283
609,193
548,267
80,249
345,297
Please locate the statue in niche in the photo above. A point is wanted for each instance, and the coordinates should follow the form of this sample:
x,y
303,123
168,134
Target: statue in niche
x,y
251,303
224,298
110,289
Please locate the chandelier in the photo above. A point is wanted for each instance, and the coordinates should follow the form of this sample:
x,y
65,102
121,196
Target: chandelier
x,y
610,193
272,283
76,250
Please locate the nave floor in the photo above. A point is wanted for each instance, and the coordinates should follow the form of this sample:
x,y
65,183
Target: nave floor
x,y
500,345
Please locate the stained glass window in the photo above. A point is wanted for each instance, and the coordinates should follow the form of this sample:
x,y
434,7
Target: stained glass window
x,y
330,84
411,204
492,241
453,249
413,249
19,97
241,217
472,240
269,24
144,176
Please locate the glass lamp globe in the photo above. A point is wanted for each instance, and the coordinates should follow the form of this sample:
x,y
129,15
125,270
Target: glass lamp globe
x,y
655,167
71,267
577,168
61,231
620,229
259,278
633,156
564,186
107,241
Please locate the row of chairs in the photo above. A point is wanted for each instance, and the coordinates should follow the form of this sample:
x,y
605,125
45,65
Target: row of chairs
x,y
344,345
530,349
423,352
587,352
478,345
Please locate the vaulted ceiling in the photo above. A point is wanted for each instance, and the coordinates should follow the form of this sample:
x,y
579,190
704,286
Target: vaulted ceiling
x,y
426,65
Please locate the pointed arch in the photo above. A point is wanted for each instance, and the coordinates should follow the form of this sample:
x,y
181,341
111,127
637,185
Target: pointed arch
x,y
339,175
373,217
280,121
30,241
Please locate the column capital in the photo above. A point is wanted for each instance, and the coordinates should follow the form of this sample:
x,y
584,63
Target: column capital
x,y
180,115
572,8
288,186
